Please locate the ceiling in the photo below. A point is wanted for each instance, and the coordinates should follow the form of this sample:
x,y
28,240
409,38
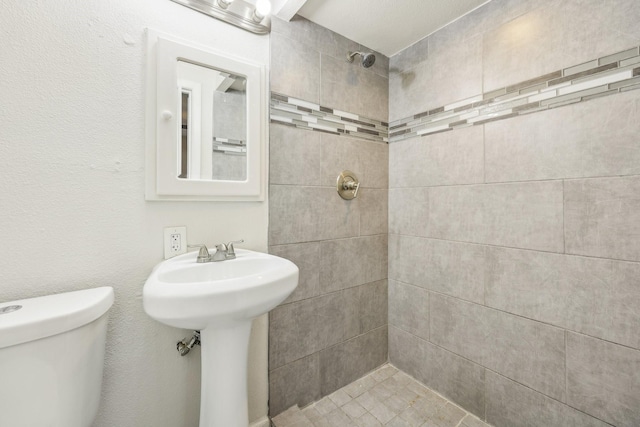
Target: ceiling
x,y
387,26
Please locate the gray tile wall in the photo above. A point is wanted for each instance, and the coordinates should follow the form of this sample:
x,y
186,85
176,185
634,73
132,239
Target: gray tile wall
x,y
556,32
609,75
333,328
514,246
503,43
309,62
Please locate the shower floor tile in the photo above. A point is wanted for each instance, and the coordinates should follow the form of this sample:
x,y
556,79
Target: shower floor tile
x,y
385,397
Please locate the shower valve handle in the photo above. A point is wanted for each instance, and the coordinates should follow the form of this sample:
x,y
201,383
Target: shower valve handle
x,y
352,185
348,185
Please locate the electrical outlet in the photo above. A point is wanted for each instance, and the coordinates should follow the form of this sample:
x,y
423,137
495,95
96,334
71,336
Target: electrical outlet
x,y
175,241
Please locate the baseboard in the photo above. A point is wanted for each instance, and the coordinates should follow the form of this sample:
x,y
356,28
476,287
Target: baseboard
x,y
262,422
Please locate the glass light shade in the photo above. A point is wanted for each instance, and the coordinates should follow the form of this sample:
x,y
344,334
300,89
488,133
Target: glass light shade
x,y
263,8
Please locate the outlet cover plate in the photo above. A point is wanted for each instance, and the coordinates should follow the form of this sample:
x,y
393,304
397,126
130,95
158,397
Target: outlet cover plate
x,y
175,241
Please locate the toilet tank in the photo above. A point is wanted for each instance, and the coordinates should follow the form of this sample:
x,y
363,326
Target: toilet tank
x,y
51,358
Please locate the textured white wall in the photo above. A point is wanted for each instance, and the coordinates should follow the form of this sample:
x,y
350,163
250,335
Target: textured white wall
x,y
72,202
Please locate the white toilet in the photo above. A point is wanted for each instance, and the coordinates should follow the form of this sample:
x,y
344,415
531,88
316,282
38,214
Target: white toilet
x,y
51,358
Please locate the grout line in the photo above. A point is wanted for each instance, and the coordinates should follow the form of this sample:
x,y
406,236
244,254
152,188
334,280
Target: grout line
x,y
335,345
484,154
551,398
566,374
478,184
332,187
319,95
564,219
485,256
430,313
569,331
562,328
493,245
500,311
484,387
502,375
329,240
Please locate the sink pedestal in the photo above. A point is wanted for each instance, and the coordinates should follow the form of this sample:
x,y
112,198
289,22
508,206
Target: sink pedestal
x,y
220,299
223,399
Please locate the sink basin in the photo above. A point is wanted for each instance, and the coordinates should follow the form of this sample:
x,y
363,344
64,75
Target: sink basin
x,y
185,294
220,299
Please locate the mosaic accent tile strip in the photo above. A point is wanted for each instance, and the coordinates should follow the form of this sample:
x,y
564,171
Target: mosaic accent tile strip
x,y
306,115
604,76
229,146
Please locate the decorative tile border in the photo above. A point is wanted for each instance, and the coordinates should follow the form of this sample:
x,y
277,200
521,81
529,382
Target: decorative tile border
x,y
229,146
604,76
611,74
306,115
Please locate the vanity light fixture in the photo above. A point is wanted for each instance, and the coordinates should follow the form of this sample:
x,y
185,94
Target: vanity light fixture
x,y
224,3
240,13
263,8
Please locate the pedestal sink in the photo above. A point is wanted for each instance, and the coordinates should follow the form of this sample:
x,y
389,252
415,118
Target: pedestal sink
x,y
220,299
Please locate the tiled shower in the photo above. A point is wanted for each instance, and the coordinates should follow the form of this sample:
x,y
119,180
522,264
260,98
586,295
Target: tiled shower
x,y
493,251
339,245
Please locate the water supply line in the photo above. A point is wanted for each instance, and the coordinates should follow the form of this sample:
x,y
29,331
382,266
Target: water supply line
x,y
185,347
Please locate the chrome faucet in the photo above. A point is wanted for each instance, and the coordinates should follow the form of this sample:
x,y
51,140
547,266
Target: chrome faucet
x,y
223,252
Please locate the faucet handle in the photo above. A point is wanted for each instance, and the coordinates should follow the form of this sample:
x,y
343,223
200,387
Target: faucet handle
x,y
231,252
203,255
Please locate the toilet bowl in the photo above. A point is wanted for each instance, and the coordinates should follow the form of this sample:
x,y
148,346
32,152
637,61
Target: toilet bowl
x,y
51,358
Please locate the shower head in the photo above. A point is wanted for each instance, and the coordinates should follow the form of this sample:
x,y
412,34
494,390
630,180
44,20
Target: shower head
x,y
368,59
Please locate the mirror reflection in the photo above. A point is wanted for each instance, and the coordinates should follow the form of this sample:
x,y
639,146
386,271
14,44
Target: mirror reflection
x,y
212,131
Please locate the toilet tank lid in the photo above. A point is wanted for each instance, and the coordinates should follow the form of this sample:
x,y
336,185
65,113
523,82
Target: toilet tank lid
x,y
50,315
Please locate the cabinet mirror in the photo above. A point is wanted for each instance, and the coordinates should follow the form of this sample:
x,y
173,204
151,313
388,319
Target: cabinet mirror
x,y
207,120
